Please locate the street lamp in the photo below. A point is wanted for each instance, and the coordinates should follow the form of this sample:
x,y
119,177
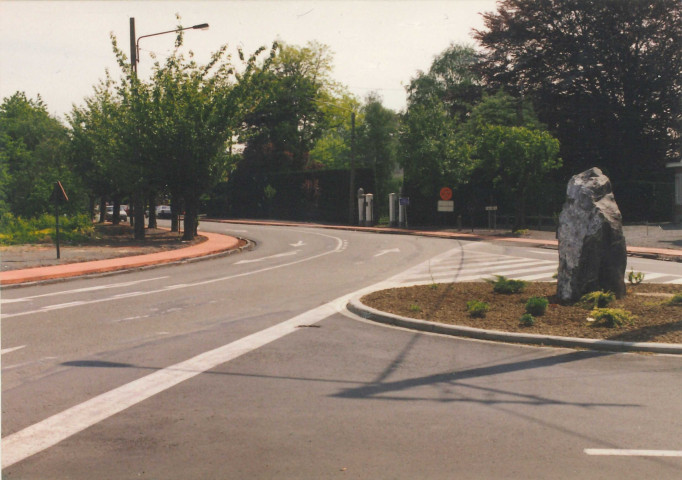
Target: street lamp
x,y
138,203
135,43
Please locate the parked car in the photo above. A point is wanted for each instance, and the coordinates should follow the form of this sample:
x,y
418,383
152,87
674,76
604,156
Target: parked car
x,y
163,211
109,215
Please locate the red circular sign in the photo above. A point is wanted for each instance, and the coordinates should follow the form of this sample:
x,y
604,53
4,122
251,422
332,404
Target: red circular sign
x,y
445,193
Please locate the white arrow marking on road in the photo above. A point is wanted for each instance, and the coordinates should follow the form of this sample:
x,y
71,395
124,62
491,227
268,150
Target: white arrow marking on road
x,y
287,254
7,350
633,453
390,250
297,244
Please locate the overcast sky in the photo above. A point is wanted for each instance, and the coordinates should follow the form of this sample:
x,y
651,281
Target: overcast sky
x,y
61,49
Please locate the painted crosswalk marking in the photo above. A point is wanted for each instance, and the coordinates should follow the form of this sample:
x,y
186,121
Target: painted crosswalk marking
x,y
471,266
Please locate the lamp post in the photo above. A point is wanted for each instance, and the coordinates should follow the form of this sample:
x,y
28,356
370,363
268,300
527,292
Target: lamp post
x,y
138,204
135,43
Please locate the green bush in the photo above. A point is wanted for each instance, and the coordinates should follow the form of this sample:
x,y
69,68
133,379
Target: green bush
x,y
635,278
16,230
612,317
676,300
504,285
415,308
527,320
598,299
477,309
536,306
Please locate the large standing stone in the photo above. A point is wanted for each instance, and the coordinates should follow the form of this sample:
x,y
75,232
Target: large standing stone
x,y
592,254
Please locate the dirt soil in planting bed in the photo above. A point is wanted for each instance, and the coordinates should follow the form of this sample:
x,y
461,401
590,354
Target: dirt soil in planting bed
x,y
447,303
108,241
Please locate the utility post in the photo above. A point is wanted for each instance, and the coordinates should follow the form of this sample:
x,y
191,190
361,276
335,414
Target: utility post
x,y
351,194
137,218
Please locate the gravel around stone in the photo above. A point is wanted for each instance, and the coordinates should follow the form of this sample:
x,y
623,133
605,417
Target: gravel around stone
x,y
654,321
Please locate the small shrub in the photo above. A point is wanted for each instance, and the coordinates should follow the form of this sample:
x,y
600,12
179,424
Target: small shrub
x,y
635,278
504,285
536,306
477,309
415,308
676,300
598,299
612,317
527,320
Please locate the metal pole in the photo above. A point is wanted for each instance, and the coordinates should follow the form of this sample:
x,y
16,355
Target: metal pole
x,y
56,222
351,195
133,48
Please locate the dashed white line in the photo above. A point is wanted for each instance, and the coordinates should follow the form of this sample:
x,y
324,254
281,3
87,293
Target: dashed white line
x,y
8,350
633,453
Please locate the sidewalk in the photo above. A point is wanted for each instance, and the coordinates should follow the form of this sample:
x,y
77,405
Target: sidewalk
x,y
647,241
215,244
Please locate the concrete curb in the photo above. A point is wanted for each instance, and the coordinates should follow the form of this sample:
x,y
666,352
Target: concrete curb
x,y
665,254
357,307
225,245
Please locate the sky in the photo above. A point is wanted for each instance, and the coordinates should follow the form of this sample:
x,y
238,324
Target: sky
x,y
60,50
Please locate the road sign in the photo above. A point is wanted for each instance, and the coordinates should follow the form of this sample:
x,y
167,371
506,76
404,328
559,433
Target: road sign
x,y
445,193
446,206
58,193
404,200
491,208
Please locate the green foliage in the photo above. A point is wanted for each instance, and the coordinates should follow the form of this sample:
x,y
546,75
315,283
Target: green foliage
x,y
415,308
527,320
72,229
504,285
598,299
635,278
613,98
33,156
612,317
438,102
477,309
537,306
676,300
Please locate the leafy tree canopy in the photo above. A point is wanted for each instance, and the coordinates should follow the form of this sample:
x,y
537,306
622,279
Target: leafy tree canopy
x,y
605,75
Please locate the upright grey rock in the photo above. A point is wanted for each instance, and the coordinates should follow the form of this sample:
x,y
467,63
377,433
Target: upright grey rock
x,y
592,254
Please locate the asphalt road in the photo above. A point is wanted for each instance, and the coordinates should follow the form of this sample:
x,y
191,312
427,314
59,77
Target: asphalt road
x,y
248,366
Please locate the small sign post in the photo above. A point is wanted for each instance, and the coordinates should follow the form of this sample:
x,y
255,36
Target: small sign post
x,y
58,196
492,217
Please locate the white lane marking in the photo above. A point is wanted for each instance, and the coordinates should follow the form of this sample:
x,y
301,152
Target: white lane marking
x,y
340,246
262,259
633,453
81,290
52,430
297,244
390,250
8,350
59,306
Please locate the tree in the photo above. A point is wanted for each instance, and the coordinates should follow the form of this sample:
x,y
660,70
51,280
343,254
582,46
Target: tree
x,y
604,75
377,144
97,150
438,103
32,157
288,118
517,159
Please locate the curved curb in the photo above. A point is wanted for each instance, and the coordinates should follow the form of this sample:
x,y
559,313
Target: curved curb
x,y
663,254
357,307
216,245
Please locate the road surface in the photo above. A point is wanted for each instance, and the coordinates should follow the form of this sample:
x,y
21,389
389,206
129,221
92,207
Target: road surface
x,y
248,366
